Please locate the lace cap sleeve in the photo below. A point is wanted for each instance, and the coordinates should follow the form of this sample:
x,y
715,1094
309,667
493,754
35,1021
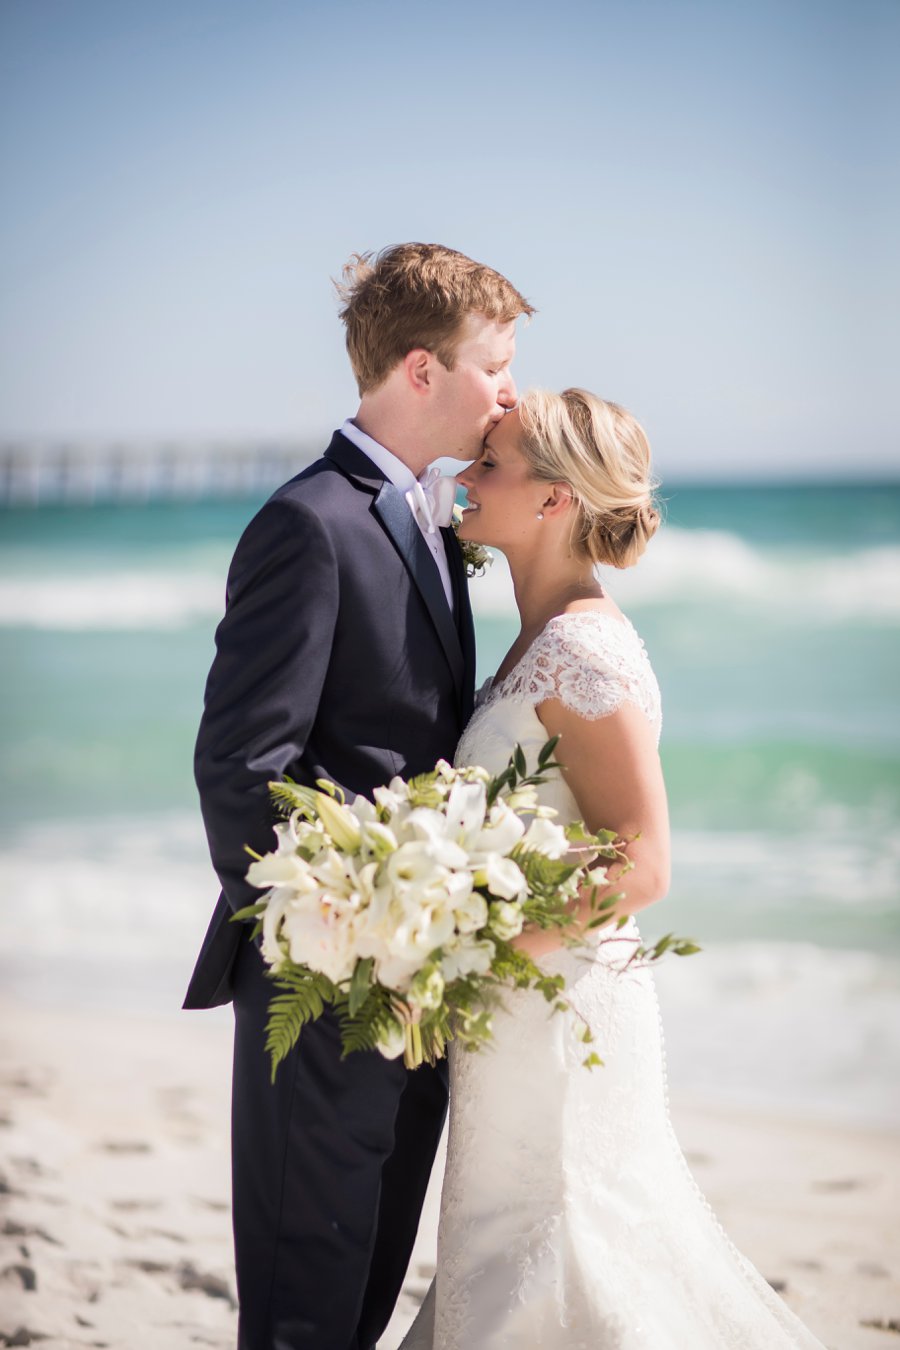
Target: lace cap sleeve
x,y
592,663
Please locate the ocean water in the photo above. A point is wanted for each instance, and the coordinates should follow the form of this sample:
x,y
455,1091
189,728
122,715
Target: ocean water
x,y
772,617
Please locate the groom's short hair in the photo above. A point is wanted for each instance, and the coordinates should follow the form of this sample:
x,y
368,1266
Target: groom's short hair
x,y
416,295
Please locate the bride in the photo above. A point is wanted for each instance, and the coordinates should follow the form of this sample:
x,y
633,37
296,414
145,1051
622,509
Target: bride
x,y
569,1219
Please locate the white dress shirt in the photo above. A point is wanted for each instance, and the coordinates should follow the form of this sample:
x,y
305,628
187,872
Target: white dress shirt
x,y
403,478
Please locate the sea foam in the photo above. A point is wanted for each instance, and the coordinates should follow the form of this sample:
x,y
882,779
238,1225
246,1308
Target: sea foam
x,y
682,566
689,566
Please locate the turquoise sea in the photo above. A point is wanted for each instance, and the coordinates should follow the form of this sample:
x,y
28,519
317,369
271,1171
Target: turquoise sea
x,y
772,618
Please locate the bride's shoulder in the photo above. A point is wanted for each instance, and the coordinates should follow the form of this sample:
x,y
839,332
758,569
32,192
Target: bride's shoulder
x,y
592,660
590,634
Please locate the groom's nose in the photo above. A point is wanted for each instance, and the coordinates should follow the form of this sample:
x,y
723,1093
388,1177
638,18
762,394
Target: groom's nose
x,y
507,394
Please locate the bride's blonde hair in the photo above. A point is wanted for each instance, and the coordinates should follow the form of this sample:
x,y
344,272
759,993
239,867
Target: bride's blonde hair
x,y
602,453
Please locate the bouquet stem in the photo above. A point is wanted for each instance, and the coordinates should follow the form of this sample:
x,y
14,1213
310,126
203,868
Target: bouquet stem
x,y
413,1053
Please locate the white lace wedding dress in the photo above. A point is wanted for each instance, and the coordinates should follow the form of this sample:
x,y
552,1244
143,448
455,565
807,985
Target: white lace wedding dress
x,y
569,1218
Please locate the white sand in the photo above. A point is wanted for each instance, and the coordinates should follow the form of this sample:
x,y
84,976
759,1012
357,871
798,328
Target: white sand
x,y
114,1183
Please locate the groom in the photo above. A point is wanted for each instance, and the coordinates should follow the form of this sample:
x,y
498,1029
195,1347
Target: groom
x,y
346,652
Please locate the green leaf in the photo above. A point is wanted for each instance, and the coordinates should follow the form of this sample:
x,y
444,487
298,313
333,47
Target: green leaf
x,y
518,759
687,949
593,1061
302,999
360,985
249,911
546,751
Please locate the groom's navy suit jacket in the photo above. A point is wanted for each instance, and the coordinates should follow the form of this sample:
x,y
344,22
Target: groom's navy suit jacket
x,y
338,657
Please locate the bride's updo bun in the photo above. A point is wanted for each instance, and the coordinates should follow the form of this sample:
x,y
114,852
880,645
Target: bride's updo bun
x,y
602,453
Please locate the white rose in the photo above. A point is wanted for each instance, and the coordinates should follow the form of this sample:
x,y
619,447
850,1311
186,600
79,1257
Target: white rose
x,y
471,912
524,798
503,830
545,837
426,989
466,956
506,920
391,1043
502,877
396,972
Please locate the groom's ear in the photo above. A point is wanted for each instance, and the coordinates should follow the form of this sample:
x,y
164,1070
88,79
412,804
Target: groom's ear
x,y
417,368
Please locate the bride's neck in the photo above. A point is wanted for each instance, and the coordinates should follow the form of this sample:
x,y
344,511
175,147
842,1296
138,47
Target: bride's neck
x,y
545,586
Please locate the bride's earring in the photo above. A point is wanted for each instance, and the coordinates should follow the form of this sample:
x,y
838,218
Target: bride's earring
x,y
540,515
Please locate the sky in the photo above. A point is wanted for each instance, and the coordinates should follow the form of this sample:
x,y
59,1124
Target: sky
x,y
701,198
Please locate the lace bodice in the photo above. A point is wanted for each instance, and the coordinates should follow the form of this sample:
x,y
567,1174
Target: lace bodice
x,y
592,662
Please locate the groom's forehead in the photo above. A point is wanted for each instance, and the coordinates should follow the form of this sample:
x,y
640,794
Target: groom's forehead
x,y
486,337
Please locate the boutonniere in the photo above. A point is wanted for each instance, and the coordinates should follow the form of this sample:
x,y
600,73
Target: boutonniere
x,y
476,557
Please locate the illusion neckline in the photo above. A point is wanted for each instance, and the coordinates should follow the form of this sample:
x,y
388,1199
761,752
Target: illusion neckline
x,y
492,685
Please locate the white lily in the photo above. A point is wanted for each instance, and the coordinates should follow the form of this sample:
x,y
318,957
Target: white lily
x,y
392,797
339,821
319,932
280,869
378,840
465,809
441,835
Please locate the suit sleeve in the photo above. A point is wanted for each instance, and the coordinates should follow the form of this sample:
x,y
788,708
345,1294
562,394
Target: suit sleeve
x,y
272,652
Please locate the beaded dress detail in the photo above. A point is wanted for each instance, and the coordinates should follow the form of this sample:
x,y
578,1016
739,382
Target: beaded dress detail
x,y
569,1217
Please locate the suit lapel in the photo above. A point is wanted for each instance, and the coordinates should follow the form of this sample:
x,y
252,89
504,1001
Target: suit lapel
x,y
394,513
392,510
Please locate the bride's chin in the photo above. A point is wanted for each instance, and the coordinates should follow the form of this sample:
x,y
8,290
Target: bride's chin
x,y
468,530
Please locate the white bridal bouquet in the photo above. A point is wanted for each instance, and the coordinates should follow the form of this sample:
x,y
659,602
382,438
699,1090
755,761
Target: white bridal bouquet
x,y
399,912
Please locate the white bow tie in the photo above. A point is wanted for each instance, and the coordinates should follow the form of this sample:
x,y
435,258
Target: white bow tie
x,y
431,499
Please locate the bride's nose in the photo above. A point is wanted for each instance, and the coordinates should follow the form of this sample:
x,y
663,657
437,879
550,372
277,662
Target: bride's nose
x,y
463,478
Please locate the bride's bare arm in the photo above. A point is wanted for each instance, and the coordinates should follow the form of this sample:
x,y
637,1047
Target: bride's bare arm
x,y
612,767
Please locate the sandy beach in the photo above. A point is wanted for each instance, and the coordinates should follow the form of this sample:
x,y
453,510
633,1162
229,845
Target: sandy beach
x,y
114,1189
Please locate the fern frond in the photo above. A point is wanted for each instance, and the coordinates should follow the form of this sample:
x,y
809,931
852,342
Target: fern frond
x,y
302,999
